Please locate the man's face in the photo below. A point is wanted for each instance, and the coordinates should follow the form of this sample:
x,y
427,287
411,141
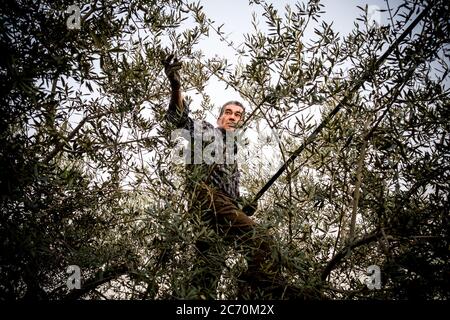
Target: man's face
x,y
230,117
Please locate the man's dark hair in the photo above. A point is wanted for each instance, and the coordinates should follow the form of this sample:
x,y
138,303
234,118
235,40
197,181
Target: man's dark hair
x,y
222,110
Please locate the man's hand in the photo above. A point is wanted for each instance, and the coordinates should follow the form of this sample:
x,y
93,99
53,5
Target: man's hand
x,y
171,68
250,209
247,206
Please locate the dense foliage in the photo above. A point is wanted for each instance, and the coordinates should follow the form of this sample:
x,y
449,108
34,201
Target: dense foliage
x,y
86,175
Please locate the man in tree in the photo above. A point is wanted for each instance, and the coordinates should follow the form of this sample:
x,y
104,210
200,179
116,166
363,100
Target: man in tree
x,y
214,186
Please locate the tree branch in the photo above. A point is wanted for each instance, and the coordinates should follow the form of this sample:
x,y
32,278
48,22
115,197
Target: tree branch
x,y
342,254
98,280
60,145
356,192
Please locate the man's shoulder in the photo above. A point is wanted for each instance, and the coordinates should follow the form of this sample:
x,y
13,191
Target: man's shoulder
x,y
202,125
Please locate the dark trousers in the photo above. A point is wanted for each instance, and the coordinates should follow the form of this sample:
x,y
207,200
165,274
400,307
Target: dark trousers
x,y
235,227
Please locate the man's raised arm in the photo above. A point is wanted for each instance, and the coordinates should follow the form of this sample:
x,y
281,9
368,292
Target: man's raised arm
x,y
171,68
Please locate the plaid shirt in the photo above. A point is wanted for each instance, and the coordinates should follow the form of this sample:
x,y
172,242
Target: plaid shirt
x,y
205,164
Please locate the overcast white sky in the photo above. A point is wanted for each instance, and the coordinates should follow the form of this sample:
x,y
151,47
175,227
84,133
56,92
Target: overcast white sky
x,y
236,17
